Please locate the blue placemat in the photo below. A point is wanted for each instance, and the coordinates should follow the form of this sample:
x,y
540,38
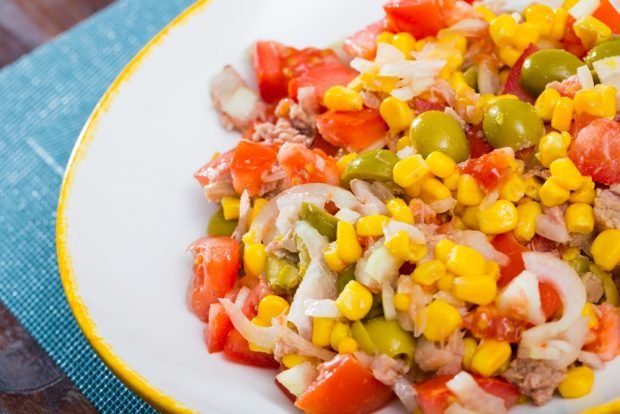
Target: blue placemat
x,y
45,98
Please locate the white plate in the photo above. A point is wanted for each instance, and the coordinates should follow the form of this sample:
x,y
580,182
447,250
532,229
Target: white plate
x,y
129,205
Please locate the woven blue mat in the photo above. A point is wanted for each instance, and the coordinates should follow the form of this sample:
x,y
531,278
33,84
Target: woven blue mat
x,y
45,98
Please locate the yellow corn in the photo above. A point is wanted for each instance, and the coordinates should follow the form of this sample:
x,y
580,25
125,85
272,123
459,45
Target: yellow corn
x,y
415,189
344,161
452,181
433,190
579,218
259,203
271,306
371,225
230,207
348,345
339,332
509,55
468,191
291,360
606,249
470,217
321,331
347,246
399,210
562,114
464,261
503,30
490,356
526,33
499,218
261,322
486,13
417,252
402,302
566,173
470,346
354,301
513,189
552,194
526,224
480,289
546,102
429,272
598,101
552,146
577,383
333,259
532,185
445,282
341,98
541,16
405,42
385,37
406,172
396,114
560,16
570,253
440,164
443,248
590,313
441,320
254,258
493,270
457,80
584,194
591,31
399,245
403,142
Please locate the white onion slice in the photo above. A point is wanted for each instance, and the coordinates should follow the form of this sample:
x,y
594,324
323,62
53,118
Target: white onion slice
x,y
302,346
551,225
591,359
473,397
371,203
244,215
242,296
388,54
405,392
322,308
264,337
489,199
521,299
387,297
585,77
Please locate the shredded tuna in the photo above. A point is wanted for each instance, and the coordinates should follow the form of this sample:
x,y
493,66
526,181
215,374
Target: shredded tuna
x,y
218,189
385,369
300,115
568,87
535,378
279,133
236,103
607,208
594,287
445,359
371,99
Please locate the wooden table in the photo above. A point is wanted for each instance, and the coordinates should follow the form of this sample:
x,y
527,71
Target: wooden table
x,y
30,382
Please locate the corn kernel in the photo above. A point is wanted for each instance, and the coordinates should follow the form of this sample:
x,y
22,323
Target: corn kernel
x,y
385,37
254,258
347,346
440,164
457,80
526,33
405,42
403,142
552,146
577,383
354,301
540,15
452,181
464,261
566,174
584,194
590,313
513,189
560,16
579,218
333,259
509,55
546,102
443,248
441,320
341,98
433,190
562,117
493,270
490,356
417,252
552,194
598,101
429,272
470,346
344,161
446,282
321,331
480,290
470,217
526,224
591,31
402,302
503,30
399,210
230,207
486,13
261,322
339,332
468,191
396,114
499,218
532,185
259,203
271,306
347,246
406,172
415,189
291,360
372,225
399,245
606,249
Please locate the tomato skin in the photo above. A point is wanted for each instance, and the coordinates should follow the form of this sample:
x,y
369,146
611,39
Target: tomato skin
x,y
478,146
215,169
513,85
570,41
507,243
353,131
304,165
486,322
421,18
216,332
549,299
259,291
216,263
364,43
608,15
238,350
269,70
249,162
344,386
607,335
490,170
322,78
596,151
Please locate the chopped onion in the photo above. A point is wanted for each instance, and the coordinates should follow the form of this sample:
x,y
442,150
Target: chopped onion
x,y
584,8
393,227
552,226
413,69
405,391
244,215
413,89
473,397
297,379
521,299
608,71
242,296
405,152
347,215
585,77
376,267
264,337
322,308
370,203
489,199
479,241
299,345
469,27
363,65
591,359
388,54
387,297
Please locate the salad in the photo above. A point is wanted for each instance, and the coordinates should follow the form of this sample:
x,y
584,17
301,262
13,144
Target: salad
x,y
429,211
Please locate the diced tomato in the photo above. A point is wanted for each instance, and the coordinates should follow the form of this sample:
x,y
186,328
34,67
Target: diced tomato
x,y
490,170
596,151
422,105
608,14
249,162
344,386
238,350
549,299
507,243
607,342
570,41
364,43
217,330
353,131
259,291
434,397
216,263
486,322
581,121
421,18
215,169
326,147
304,165
513,85
478,146
321,78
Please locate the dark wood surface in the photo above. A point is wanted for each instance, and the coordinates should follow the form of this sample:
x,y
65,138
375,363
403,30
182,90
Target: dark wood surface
x,y
30,382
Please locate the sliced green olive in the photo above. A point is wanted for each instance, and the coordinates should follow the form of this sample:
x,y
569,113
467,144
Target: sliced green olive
x,y
546,66
603,50
376,165
471,77
320,219
282,275
512,123
390,339
345,277
609,287
219,226
581,264
360,334
303,256
438,131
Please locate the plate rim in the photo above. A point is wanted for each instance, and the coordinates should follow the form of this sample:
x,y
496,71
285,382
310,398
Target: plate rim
x,y
131,378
